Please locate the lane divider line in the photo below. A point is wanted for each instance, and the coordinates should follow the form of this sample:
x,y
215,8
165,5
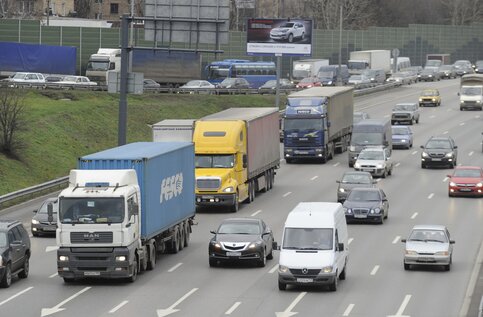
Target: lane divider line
x,y
16,295
286,194
445,179
232,308
175,267
256,213
348,310
414,215
115,309
414,152
314,178
336,164
273,269
374,270
396,239
430,195
350,240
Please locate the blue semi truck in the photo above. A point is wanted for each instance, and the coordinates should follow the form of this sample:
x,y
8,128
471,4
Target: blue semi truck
x,y
317,123
123,206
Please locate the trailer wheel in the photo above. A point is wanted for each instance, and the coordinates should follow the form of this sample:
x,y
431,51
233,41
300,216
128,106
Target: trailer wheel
x,y
187,233
270,179
174,244
181,237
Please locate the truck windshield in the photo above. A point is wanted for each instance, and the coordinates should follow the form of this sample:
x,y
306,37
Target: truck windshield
x,y
215,161
356,65
366,138
303,124
91,210
433,63
98,65
215,72
471,91
308,239
325,74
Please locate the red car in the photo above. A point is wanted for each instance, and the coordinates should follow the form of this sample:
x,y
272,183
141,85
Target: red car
x,y
466,181
309,82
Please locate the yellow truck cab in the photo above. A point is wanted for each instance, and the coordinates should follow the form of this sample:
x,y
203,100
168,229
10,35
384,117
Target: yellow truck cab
x,y
236,153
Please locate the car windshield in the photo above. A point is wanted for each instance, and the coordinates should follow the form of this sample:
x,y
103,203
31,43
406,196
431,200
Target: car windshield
x,y
403,107
70,78
461,63
371,155
19,75
271,83
239,227
428,236
193,83
308,239
361,138
356,179
214,161
91,210
287,25
471,91
427,71
363,195
429,93
308,80
438,144
446,67
467,173
43,208
355,77
400,131
228,81
3,240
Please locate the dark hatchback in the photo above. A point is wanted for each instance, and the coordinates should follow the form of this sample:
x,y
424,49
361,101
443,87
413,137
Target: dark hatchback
x,y
40,221
352,180
14,251
366,204
439,151
241,239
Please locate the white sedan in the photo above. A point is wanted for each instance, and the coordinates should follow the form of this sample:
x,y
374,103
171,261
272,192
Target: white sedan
x,y
76,81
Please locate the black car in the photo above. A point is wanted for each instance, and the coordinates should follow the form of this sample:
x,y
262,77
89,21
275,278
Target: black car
x,y
14,251
439,151
241,239
150,84
463,67
352,180
479,67
40,221
270,86
366,204
234,83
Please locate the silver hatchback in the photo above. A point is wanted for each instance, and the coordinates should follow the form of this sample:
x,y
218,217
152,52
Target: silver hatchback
x,y
428,245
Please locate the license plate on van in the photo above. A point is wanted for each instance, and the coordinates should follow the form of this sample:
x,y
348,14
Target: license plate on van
x,y
305,280
92,273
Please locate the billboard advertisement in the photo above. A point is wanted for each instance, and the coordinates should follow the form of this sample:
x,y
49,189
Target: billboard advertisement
x,y
279,37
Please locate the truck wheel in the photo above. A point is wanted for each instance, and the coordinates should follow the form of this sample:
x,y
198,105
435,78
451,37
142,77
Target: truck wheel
x,y
235,206
271,173
174,245
134,275
343,274
152,257
68,280
187,233
333,286
181,238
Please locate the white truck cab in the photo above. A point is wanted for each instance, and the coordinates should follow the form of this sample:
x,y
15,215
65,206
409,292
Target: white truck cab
x,y
314,249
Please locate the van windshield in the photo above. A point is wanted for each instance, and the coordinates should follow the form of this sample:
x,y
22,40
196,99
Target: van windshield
x,y
366,138
308,239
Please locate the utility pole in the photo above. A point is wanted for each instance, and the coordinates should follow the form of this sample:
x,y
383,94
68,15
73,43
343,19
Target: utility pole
x,y
48,11
339,77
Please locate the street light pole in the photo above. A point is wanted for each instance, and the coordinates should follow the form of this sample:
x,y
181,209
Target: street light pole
x,y
48,11
339,77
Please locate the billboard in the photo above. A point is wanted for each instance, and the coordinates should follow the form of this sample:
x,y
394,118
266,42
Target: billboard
x,y
279,37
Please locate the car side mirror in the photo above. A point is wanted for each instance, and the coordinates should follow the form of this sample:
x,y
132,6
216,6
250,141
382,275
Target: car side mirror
x,y
403,240
457,94
455,146
213,231
422,146
275,245
449,176
338,182
452,242
50,212
340,247
34,211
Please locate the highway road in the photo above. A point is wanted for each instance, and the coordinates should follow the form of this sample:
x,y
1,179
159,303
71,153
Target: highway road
x,y
376,286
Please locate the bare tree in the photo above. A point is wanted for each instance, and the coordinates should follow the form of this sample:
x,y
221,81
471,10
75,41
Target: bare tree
x,y
12,111
463,12
83,8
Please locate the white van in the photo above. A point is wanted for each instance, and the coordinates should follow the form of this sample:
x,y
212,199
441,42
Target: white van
x,y
314,249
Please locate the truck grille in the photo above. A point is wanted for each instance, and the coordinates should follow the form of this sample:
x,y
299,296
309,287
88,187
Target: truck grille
x,y
208,183
91,237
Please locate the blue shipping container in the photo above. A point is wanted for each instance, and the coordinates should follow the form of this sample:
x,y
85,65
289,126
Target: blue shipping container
x,y
166,176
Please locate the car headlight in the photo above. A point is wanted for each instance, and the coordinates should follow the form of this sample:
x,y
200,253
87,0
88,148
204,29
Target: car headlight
x,y
434,99
120,258
253,245
327,269
452,184
216,245
352,148
1,261
478,101
35,222
282,269
63,258
229,189
329,83
403,140
420,99
449,154
348,210
479,185
375,210
424,154
411,252
441,253
342,190
379,165
357,165
430,75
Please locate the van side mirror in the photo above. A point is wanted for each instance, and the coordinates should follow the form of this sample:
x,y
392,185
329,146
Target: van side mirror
x,y
50,212
245,161
452,242
213,231
340,247
422,146
455,146
403,240
457,94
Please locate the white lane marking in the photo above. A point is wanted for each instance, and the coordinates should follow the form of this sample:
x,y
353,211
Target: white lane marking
x,y
57,308
402,307
175,267
54,275
286,194
397,164
314,178
462,123
471,153
477,116
396,239
336,164
430,195
350,240
115,309
414,215
273,269
386,116
16,295
256,213
348,310
374,270
414,152
288,311
51,248
459,164
445,179
432,116
171,309
445,132
232,308
448,110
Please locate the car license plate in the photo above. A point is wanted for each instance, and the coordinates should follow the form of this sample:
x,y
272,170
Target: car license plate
x,y
436,159
233,253
50,228
301,152
305,280
368,170
360,216
207,197
465,190
425,260
92,273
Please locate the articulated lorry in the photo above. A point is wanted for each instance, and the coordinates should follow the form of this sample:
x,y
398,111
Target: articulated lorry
x,y
170,69
178,130
471,92
445,59
318,123
372,59
37,58
307,68
237,151
122,206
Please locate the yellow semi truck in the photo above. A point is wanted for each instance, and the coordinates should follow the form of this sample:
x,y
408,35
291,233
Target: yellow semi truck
x,y
236,153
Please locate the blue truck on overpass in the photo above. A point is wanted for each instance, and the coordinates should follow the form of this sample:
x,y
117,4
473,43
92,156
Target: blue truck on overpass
x,y
37,58
122,206
317,123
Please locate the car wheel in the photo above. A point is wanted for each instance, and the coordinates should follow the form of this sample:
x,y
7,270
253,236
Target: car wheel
x,y
423,165
263,260
303,36
381,221
213,262
7,277
343,274
447,267
270,255
282,286
384,175
289,161
235,207
35,234
407,266
25,270
290,38
68,280
417,120
411,121
333,285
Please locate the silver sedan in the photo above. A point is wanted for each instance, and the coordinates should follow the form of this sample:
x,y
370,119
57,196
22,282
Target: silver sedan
x,y
428,245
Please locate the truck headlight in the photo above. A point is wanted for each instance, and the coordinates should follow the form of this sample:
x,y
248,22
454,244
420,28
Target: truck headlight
x,y
327,269
35,222
228,189
282,269
63,258
352,148
424,154
478,101
120,258
420,99
1,261
479,185
341,190
403,140
434,99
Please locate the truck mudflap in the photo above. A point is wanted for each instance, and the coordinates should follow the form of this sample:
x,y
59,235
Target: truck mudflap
x,y
101,262
204,200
